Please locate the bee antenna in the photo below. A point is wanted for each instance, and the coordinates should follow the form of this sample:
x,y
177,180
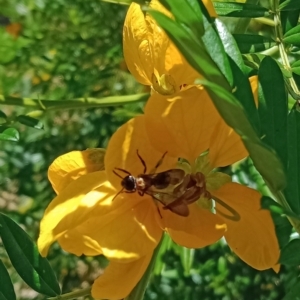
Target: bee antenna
x,y
117,174
121,191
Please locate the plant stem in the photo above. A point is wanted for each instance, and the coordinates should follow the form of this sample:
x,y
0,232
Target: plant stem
x,y
73,295
46,105
281,46
138,292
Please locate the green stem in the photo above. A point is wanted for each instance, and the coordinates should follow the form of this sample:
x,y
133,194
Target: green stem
x,y
47,105
138,292
73,295
281,46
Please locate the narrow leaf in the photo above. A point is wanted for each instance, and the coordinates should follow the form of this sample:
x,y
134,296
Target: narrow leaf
x,y
215,48
251,43
192,16
283,227
273,107
6,287
243,92
34,269
10,134
240,10
230,45
289,5
292,192
292,36
290,253
29,121
296,67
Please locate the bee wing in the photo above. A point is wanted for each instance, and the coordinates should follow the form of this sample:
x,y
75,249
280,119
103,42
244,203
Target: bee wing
x,y
164,179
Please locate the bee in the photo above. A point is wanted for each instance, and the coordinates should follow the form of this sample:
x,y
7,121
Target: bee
x,y
172,188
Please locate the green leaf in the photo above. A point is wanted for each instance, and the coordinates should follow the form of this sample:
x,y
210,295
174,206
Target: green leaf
x,y
216,50
192,16
6,287
251,43
243,92
34,269
230,45
29,121
10,134
290,253
273,107
289,5
283,227
292,192
296,67
253,60
264,158
240,10
289,19
294,293
293,36
192,48
187,259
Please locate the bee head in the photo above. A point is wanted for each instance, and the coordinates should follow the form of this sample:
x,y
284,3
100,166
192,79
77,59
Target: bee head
x,y
129,183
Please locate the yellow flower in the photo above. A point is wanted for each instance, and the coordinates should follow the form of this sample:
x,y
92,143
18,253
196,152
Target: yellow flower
x,y
150,55
87,218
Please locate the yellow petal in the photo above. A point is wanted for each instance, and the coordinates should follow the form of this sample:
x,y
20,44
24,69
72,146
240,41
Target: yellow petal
x,y
210,8
119,279
141,37
122,152
117,241
252,237
199,229
226,146
150,55
181,124
75,242
70,166
69,208
98,221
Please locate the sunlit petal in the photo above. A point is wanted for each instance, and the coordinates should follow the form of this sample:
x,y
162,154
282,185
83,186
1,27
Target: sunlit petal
x,y
252,237
199,229
210,8
119,279
226,146
182,123
68,167
70,207
122,152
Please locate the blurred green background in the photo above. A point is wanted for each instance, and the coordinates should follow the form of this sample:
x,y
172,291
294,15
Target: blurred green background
x,y
61,50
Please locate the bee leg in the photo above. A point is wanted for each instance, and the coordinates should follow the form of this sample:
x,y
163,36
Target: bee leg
x,y
142,161
159,163
159,212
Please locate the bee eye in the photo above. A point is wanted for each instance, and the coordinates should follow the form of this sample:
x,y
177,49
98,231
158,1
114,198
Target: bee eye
x,y
129,183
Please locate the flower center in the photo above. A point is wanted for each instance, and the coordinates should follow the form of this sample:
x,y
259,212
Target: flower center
x,y
164,85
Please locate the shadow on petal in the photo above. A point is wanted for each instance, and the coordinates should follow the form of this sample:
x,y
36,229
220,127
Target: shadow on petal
x,y
201,228
253,237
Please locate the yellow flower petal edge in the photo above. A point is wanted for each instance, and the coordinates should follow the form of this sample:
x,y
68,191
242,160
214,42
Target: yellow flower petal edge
x,y
150,55
65,211
70,166
253,236
182,124
226,146
122,152
210,8
119,279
